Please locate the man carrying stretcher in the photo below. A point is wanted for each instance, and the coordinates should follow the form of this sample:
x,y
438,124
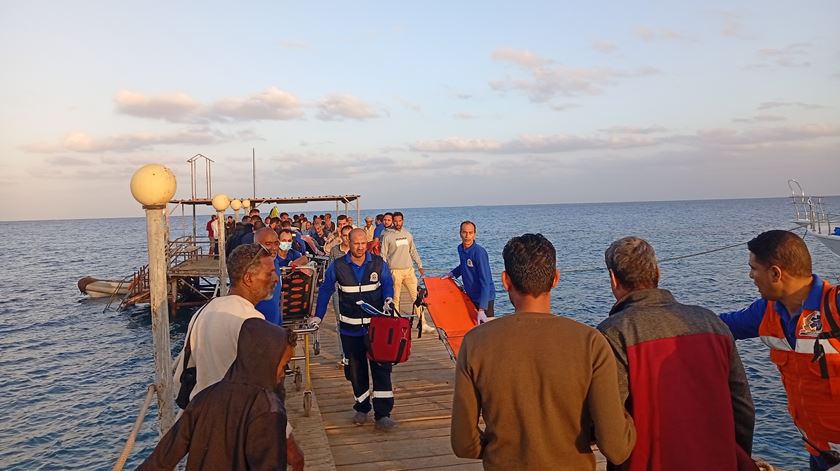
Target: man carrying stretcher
x,y
474,271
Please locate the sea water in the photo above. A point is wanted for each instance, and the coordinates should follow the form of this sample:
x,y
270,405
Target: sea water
x,y
72,377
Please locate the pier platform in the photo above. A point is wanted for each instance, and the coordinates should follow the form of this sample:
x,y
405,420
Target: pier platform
x,y
423,389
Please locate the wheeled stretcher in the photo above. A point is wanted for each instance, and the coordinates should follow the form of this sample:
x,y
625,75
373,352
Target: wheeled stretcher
x,y
298,294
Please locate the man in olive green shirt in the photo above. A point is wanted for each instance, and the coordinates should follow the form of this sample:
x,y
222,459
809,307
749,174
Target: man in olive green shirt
x,y
546,385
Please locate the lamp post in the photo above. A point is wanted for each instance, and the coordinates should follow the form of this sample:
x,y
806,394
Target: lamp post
x,y
246,204
220,204
153,186
236,205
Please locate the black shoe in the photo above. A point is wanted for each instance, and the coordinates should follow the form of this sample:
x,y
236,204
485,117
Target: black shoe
x,y
385,424
360,418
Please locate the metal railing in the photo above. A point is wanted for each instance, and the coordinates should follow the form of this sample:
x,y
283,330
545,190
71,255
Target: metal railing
x,y
811,211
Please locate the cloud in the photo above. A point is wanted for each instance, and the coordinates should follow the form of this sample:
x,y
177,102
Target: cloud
x,y
341,106
633,130
731,25
272,104
463,116
760,137
649,34
291,44
538,144
547,80
85,143
175,107
794,104
604,46
788,56
525,59
622,137
564,106
299,166
760,118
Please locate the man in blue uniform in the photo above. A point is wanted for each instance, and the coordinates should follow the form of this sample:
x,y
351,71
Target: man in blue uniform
x,y
474,271
286,254
360,275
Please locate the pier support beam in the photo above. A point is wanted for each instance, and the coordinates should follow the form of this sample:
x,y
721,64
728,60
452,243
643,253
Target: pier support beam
x,y
153,186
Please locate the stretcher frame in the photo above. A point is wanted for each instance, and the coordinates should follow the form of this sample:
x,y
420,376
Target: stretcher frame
x,y
307,333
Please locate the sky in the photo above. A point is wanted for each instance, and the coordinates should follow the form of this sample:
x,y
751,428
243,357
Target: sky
x,y
417,104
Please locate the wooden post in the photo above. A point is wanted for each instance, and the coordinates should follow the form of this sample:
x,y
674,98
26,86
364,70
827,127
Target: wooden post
x,y
222,254
160,315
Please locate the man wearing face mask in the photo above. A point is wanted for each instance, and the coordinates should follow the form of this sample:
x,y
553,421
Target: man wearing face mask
x,y
287,256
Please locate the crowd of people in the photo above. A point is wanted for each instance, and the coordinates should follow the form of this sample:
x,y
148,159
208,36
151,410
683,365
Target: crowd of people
x,y
658,385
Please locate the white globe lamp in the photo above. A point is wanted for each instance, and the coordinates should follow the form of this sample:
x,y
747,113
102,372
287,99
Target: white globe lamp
x,y
221,202
153,185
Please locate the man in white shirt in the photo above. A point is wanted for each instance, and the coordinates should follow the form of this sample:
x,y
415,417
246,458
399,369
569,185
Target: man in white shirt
x,y
214,330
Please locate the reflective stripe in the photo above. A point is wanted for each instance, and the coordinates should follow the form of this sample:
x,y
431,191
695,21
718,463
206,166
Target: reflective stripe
x,y
358,288
806,345
383,394
353,320
834,447
777,343
363,396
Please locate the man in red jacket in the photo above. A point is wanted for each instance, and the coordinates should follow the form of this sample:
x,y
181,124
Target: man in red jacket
x,y
678,371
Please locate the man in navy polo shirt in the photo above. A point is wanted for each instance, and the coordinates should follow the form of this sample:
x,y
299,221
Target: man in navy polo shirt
x,y
360,276
474,271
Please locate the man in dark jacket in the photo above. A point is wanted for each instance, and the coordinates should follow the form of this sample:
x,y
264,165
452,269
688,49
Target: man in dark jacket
x,y
678,370
238,423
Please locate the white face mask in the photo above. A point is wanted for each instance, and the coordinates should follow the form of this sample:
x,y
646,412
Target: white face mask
x,y
285,246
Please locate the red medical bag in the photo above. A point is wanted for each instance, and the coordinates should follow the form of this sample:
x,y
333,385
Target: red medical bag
x,y
389,338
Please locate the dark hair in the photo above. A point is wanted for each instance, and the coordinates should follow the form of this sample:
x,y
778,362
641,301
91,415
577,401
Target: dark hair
x,y
397,213
285,229
275,220
258,224
244,259
246,219
783,249
284,214
530,263
388,214
348,230
461,227
341,217
633,261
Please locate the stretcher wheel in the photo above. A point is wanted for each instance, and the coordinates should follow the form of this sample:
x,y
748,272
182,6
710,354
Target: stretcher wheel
x,y
307,403
298,379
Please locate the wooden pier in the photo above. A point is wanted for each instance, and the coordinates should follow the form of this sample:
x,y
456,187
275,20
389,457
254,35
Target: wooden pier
x,y
423,389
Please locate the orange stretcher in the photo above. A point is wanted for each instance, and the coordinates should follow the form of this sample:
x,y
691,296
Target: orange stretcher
x,y
451,309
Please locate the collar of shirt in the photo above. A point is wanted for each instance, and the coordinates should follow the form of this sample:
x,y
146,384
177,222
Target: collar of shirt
x,y
349,259
812,302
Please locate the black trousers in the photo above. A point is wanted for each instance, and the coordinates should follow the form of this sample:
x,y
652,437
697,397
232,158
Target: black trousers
x,y
489,311
356,371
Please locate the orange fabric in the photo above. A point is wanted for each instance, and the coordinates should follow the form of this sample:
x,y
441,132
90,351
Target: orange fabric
x,y
451,309
813,401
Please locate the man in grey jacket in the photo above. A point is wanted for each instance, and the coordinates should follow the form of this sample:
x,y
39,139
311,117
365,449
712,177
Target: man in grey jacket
x,y
399,251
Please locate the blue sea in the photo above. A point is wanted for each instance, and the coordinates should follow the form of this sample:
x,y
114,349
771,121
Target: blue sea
x,y
72,377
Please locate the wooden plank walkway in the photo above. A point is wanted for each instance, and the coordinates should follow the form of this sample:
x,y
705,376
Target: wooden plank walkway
x,y
423,389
